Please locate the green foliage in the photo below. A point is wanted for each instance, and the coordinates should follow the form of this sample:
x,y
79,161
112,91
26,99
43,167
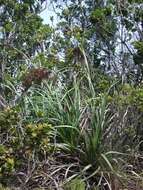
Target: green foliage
x,y
9,117
4,188
48,61
75,184
99,14
61,111
138,57
75,127
93,144
22,34
130,96
20,141
37,137
7,160
138,46
127,102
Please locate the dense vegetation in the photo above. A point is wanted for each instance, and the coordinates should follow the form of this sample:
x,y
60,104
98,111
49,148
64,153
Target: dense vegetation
x,y
71,95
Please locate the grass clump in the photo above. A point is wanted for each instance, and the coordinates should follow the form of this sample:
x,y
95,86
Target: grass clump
x,y
69,139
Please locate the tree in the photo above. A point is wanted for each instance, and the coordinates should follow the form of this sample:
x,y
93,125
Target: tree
x,y
106,31
23,36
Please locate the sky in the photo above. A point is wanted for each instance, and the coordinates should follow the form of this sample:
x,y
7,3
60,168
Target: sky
x,y
47,13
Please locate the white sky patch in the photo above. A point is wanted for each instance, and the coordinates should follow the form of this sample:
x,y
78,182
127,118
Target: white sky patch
x,y
49,13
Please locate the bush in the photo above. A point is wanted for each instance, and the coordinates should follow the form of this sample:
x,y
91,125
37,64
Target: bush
x,y
20,141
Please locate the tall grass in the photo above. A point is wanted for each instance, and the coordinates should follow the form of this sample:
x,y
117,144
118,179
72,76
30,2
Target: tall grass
x,y
81,123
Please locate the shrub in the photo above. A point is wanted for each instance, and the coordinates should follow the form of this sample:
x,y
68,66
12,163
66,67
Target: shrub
x,y
20,141
37,137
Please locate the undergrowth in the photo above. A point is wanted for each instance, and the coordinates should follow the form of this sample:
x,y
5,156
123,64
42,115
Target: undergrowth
x,y
72,140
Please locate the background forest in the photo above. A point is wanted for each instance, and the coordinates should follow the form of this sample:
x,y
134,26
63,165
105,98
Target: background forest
x,y
71,95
